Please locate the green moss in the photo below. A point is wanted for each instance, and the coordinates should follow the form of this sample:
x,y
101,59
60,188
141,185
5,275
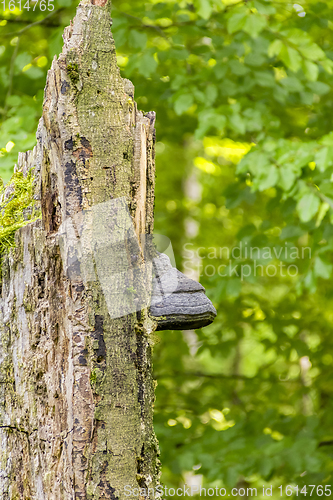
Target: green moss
x,y
18,211
93,377
73,73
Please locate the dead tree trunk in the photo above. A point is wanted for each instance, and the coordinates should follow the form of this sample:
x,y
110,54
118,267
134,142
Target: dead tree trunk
x,y
77,393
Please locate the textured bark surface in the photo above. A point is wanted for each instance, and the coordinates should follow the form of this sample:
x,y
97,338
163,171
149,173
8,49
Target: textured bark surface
x,y
76,384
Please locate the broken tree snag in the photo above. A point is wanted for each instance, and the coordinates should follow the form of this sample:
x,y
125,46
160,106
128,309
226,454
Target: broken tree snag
x,y
76,392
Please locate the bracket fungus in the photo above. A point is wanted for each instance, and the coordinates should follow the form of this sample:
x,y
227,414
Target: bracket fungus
x,y
178,302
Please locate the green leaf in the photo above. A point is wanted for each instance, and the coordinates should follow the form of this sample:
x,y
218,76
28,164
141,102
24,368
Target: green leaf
x,y
312,52
307,207
254,59
327,140
327,64
310,70
265,79
137,39
14,100
211,94
264,8
183,103
232,476
55,42
280,95
265,466
186,461
238,68
322,269
34,73
324,158
134,62
22,60
319,88
209,119
205,8
291,232
306,98
287,177
178,81
292,84
270,179
275,48
147,65
237,123
254,119
233,288
255,24
310,282
237,21
200,96
220,71
291,58
324,208
4,76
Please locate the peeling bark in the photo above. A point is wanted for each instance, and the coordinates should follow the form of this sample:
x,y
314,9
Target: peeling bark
x,y
76,387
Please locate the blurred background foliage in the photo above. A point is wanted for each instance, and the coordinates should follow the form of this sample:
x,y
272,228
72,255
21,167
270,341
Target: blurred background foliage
x,y
243,93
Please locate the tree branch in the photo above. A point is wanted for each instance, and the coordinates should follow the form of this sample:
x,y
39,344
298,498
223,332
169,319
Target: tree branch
x,y
325,443
11,76
157,28
221,376
31,25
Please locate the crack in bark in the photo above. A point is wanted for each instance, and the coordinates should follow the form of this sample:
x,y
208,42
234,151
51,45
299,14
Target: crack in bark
x,y
14,428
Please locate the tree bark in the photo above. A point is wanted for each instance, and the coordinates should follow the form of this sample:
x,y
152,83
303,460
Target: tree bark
x,y
77,393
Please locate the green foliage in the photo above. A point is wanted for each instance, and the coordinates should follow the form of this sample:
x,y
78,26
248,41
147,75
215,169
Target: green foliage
x,y
243,93
28,42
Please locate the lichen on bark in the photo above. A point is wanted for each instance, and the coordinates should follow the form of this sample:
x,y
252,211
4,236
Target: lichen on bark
x,y
76,391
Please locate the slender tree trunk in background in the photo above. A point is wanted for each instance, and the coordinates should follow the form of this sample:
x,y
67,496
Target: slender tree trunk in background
x,y
77,392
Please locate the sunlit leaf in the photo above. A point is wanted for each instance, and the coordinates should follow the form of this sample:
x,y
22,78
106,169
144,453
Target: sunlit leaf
x,y
307,207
